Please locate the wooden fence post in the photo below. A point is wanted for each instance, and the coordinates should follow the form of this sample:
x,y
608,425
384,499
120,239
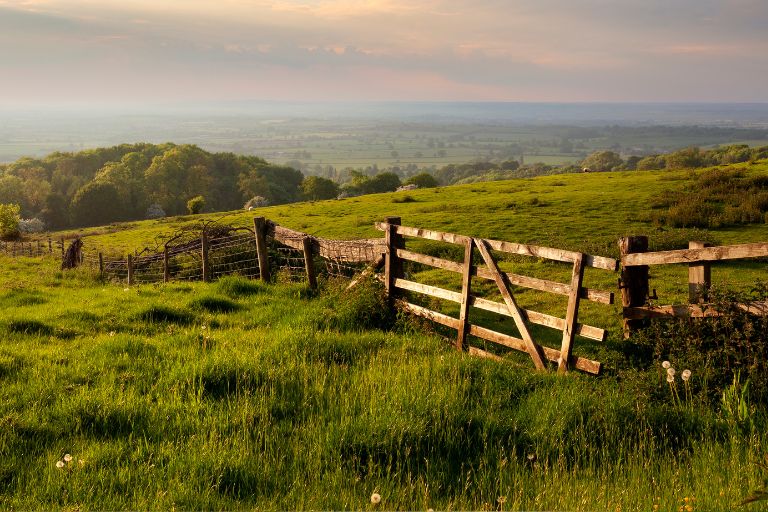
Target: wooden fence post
x,y
166,269
130,269
634,281
50,246
101,266
62,248
699,276
260,231
466,287
309,263
206,263
39,252
393,268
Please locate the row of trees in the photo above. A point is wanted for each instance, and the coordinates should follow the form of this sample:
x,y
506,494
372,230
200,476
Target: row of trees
x,y
130,181
688,158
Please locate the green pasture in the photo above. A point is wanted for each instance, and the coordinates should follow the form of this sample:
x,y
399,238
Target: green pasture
x,y
238,395
244,395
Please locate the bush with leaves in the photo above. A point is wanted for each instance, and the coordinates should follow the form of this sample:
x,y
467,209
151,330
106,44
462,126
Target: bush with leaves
x,y
196,205
9,221
715,348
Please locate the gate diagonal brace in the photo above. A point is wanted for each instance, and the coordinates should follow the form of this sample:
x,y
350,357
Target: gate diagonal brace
x,y
534,350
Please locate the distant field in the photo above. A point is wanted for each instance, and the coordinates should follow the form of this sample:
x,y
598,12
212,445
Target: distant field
x,y
315,143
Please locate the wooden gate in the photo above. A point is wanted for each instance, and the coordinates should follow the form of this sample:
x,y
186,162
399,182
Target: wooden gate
x,y
396,283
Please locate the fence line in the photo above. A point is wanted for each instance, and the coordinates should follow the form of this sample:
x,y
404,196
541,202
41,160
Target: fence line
x,y
635,285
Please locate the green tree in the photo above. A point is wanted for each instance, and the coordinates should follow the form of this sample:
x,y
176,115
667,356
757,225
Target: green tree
x,y
279,184
316,188
422,180
196,205
179,173
96,203
603,161
9,220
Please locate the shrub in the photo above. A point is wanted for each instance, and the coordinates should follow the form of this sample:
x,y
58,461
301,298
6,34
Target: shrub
x,y
256,202
196,205
715,348
155,211
9,220
31,225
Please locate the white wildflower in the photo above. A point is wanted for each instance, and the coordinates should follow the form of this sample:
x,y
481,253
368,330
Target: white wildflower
x,y
67,458
375,498
60,464
686,374
670,378
671,372
666,364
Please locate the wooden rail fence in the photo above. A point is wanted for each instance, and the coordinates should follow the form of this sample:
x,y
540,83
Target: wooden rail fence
x,y
634,281
396,284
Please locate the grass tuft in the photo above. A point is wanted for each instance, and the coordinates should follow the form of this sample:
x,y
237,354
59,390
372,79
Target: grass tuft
x,y
162,314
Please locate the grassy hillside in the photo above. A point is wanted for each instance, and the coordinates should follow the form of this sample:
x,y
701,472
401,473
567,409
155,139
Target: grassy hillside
x,y
237,394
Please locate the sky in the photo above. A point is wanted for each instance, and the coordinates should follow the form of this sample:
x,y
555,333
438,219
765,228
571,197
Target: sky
x,y
143,51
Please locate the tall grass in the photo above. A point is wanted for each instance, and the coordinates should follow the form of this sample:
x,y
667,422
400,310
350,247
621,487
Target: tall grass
x,y
241,395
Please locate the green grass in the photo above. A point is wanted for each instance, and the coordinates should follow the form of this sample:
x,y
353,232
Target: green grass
x,y
240,395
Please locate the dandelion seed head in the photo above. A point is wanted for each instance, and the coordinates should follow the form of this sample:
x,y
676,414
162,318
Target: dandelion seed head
x,y
60,464
666,364
686,374
671,371
375,498
67,458
670,378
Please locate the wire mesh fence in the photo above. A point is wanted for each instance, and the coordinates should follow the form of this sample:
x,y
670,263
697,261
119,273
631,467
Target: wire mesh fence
x,y
216,251
31,249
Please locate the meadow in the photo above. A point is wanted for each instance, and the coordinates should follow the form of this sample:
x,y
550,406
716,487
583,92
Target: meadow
x,y
239,394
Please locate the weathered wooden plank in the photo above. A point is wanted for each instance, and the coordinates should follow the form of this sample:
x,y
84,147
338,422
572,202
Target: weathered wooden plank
x,y
585,331
474,351
466,290
554,254
427,233
690,310
533,349
533,283
369,270
432,261
423,312
580,363
571,315
513,248
723,252
426,289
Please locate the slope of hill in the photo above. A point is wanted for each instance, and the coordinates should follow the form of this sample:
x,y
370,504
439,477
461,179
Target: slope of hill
x,y
237,394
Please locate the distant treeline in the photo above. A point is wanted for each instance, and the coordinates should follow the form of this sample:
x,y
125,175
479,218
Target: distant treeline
x,y
137,181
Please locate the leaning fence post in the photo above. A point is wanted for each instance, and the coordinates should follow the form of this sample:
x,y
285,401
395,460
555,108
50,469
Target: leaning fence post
x,y
206,263
260,232
309,262
393,268
101,266
699,276
166,269
634,282
130,269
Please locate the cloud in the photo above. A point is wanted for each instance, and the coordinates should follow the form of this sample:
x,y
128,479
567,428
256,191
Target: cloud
x,y
376,49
